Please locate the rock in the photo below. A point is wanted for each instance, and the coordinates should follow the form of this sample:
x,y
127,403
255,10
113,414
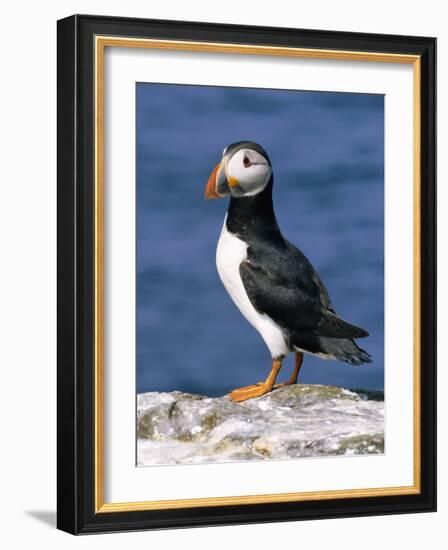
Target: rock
x,y
290,422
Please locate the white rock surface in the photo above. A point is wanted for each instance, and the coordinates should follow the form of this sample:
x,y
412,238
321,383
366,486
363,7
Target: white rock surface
x,y
290,422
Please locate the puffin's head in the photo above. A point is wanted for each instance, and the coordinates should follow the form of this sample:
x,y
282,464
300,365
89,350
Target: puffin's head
x,y
244,171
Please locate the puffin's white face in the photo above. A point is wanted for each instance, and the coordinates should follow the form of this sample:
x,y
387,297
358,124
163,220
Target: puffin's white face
x,y
244,173
248,173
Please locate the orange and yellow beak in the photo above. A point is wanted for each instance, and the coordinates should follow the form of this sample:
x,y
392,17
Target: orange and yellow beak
x,y
212,184
219,184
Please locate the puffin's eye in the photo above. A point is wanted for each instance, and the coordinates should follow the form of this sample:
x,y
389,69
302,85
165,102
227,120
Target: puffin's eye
x,y
246,161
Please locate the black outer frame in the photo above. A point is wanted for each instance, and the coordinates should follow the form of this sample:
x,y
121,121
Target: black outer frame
x,y
75,381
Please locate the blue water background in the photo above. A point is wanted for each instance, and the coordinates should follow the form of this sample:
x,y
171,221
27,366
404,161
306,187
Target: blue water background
x,y
327,152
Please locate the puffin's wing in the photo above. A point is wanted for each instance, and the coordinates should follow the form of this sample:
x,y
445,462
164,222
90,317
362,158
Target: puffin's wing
x,y
294,298
288,306
334,326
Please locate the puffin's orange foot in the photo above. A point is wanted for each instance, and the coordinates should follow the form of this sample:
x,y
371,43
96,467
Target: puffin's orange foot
x,y
257,390
249,392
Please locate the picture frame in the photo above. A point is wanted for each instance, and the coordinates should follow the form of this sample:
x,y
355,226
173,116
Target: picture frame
x,y
82,41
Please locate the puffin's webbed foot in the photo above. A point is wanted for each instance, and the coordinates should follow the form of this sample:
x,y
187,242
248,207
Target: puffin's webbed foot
x,y
257,390
248,392
261,388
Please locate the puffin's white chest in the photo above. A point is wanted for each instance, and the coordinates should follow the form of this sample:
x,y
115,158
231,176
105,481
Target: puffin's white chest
x,y
230,252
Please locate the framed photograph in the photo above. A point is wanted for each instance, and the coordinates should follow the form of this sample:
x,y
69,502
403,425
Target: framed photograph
x,y
268,355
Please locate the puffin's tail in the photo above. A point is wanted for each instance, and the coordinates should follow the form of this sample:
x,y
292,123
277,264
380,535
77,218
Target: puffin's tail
x,y
347,350
342,349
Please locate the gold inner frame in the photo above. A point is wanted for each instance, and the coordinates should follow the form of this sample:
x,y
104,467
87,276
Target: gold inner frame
x,y
101,42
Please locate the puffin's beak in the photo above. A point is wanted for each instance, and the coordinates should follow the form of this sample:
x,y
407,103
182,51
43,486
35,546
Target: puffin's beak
x,y
212,184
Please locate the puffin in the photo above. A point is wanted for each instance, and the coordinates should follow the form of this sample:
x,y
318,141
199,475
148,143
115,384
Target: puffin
x,y
270,280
